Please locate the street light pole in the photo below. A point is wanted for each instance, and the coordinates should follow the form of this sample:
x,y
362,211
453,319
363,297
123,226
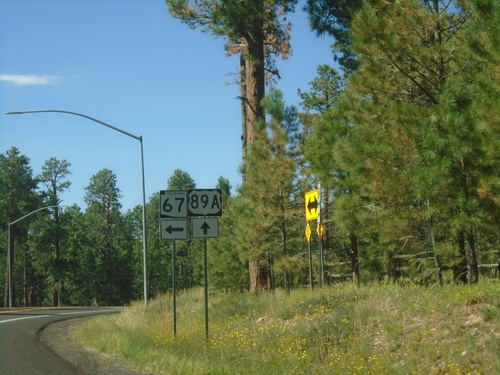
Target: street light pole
x,y
139,138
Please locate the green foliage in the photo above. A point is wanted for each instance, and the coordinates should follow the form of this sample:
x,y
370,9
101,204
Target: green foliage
x,y
17,186
257,30
53,176
225,186
334,17
269,193
227,264
376,329
108,258
180,180
405,146
18,198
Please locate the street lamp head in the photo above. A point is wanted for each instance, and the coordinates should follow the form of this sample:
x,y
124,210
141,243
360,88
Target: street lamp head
x,y
14,113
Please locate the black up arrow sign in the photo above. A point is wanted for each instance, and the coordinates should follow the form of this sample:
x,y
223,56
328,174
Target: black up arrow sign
x,y
205,227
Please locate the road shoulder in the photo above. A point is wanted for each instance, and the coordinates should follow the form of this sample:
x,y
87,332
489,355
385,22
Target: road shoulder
x,y
58,338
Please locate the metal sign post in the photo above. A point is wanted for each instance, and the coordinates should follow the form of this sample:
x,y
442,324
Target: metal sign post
x,y
319,230
313,212
174,300
308,238
178,208
205,272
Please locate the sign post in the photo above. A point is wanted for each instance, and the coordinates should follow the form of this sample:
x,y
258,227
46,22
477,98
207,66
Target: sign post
x,y
313,212
319,231
205,275
173,205
174,299
308,237
197,206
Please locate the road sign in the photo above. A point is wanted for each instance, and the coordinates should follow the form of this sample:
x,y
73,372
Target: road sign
x,y
173,229
312,205
319,230
308,232
173,203
204,202
205,227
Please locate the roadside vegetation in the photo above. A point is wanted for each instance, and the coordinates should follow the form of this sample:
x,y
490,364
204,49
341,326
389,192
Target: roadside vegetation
x,y
341,329
401,133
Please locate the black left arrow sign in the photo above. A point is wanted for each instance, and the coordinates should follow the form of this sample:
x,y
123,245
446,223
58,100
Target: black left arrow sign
x,y
171,229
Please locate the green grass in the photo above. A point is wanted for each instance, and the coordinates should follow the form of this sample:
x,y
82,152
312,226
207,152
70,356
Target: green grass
x,y
380,329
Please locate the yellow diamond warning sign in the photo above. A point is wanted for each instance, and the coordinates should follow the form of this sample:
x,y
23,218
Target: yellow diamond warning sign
x,y
308,232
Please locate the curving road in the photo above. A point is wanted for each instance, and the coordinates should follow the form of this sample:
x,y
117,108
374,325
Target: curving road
x,y
21,351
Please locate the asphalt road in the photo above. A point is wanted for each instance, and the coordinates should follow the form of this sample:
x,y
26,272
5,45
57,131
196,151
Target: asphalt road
x,y
22,352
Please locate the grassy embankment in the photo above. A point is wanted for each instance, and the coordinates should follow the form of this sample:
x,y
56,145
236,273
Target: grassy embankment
x,y
380,329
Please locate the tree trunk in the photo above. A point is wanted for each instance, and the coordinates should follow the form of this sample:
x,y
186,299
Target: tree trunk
x,y
252,87
270,271
437,263
354,259
258,276
472,267
460,270
10,266
243,94
286,277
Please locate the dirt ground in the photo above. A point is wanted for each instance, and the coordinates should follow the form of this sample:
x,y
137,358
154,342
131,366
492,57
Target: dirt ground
x,y
57,337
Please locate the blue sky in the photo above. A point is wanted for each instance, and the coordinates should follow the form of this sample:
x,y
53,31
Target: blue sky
x,y
129,63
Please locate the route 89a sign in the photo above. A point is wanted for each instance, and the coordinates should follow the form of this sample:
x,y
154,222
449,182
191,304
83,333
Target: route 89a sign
x,y
204,202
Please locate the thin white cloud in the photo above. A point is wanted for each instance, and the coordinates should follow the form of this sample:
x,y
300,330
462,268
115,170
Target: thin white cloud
x,y
29,79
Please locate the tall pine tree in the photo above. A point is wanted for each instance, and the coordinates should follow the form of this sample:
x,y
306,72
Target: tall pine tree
x,y
258,32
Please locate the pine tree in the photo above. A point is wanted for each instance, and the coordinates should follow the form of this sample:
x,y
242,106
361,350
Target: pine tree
x,y
268,191
317,143
54,173
258,32
188,252
78,272
484,42
406,149
18,197
334,17
103,221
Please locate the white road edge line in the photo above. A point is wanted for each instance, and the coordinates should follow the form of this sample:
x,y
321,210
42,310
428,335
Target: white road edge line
x,y
44,316
26,317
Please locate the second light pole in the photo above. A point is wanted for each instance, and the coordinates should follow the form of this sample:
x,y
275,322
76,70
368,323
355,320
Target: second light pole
x,y
139,138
